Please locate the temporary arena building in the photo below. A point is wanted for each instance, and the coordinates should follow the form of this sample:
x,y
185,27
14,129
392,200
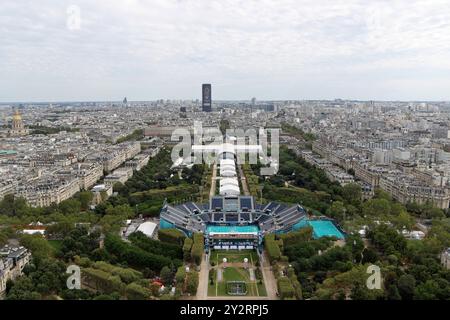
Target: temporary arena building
x,y
231,222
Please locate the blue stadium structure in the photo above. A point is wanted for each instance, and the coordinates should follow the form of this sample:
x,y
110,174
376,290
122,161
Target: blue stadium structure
x,y
232,222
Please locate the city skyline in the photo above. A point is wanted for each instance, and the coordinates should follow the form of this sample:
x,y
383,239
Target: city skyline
x,y
282,50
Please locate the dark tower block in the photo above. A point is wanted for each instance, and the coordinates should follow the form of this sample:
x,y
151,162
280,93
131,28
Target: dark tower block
x,y
206,98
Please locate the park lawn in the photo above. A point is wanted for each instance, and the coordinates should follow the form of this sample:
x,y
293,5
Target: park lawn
x,y
231,273
212,289
221,289
262,290
235,256
235,274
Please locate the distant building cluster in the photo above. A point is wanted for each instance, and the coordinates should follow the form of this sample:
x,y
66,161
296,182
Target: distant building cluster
x,y
401,148
48,168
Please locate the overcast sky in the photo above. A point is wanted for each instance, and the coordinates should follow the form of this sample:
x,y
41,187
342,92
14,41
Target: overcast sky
x,y
280,49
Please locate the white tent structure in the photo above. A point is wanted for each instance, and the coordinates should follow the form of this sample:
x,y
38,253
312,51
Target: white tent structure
x,y
228,173
229,190
148,228
229,181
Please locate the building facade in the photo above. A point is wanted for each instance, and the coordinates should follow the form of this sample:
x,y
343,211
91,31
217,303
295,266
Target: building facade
x,y
12,262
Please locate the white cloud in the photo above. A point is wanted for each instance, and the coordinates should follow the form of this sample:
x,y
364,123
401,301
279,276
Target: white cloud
x,y
269,49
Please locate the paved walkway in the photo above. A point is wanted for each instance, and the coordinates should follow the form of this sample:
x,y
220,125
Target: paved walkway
x,y
243,182
212,192
251,271
219,274
269,278
202,290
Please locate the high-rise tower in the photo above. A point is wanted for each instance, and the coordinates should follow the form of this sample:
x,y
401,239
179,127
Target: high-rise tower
x,y
206,98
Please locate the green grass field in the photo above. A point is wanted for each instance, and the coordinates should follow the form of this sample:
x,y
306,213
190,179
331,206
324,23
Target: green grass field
x,y
235,273
234,256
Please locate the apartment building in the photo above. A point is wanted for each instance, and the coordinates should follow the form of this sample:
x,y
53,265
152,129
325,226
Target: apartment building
x,y
405,190
12,262
43,192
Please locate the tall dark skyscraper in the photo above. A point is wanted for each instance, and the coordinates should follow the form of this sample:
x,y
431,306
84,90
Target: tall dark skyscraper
x,y
206,98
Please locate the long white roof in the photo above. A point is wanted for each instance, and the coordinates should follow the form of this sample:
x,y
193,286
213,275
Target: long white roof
x,y
224,162
232,181
229,190
228,173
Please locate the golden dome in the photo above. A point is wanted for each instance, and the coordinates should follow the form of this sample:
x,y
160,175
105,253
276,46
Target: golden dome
x,y
17,116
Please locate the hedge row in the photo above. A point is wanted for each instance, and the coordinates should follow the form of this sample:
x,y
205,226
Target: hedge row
x,y
192,282
187,246
102,281
272,248
127,275
292,238
173,236
134,291
295,283
197,248
137,257
156,247
285,288
180,275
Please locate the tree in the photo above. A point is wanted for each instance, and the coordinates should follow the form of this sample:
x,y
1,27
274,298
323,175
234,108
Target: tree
x,y
352,194
120,210
376,208
14,206
23,289
120,188
135,256
360,292
187,246
79,242
136,292
154,246
192,282
272,247
337,211
434,213
285,288
59,230
85,198
70,206
392,293
197,248
403,220
356,245
406,286
381,194
180,276
427,291
49,276
154,289
166,275
397,208
37,245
